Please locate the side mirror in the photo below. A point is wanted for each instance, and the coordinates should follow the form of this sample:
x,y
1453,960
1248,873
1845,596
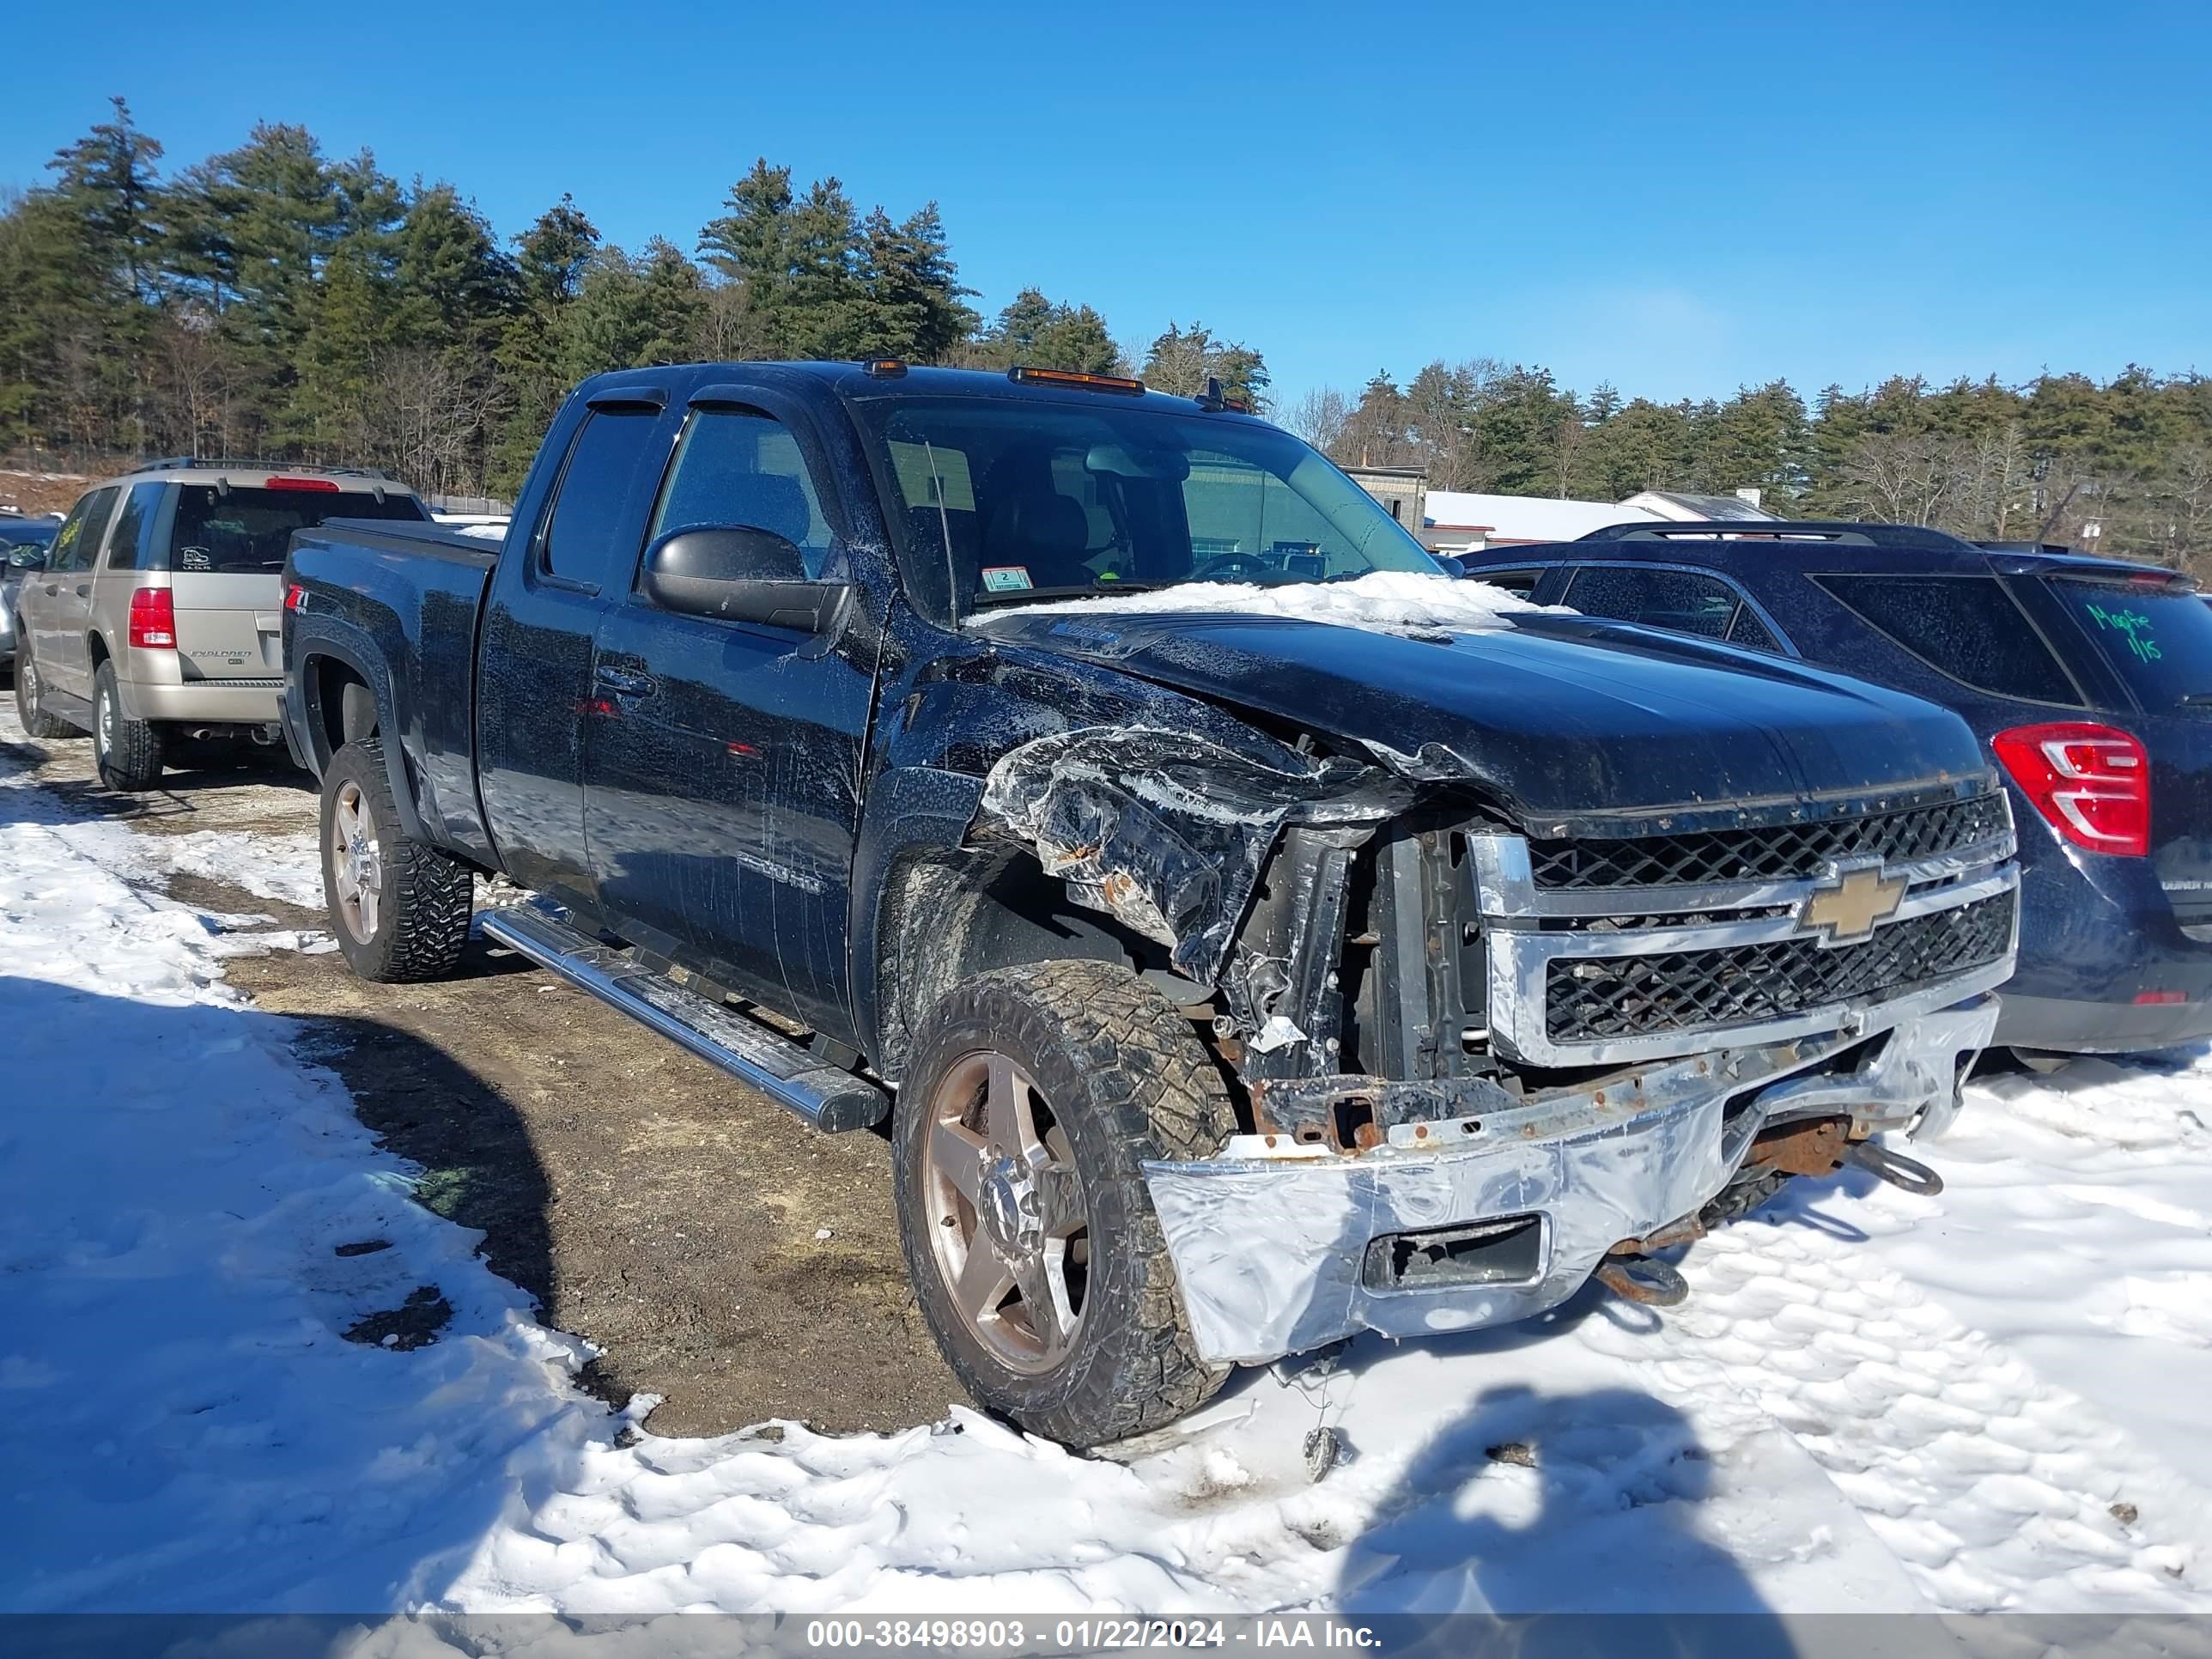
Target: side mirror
x,y
740,573
26,557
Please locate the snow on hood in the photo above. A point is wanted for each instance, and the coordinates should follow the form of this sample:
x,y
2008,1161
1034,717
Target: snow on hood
x,y
1383,600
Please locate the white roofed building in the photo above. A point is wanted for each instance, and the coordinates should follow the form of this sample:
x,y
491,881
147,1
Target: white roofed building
x,y
1459,519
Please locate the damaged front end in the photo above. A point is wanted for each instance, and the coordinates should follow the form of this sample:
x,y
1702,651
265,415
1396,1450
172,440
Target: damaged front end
x,y
1480,1064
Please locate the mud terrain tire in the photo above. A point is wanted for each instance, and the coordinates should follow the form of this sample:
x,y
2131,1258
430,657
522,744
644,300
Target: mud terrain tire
x,y
1124,1081
417,921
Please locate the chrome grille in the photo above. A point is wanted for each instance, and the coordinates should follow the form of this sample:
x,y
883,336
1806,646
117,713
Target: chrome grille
x,y
1593,999
1773,853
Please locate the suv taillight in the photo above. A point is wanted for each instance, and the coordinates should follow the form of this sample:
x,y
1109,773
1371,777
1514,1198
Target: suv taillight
x,y
2092,783
153,620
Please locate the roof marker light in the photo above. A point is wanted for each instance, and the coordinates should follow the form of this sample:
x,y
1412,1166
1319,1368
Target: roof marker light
x,y
1022,374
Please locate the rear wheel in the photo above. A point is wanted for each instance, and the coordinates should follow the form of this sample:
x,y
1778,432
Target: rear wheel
x,y
400,908
30,707
1035,1096
128,752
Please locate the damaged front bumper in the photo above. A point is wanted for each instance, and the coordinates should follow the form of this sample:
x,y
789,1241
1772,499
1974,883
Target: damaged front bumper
x,y
1503,1207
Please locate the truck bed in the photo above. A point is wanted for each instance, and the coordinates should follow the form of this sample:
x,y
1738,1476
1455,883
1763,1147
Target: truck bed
x,y
439,541
397,604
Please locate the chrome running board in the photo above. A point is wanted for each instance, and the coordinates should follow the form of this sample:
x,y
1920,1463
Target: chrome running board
x,y
829,1098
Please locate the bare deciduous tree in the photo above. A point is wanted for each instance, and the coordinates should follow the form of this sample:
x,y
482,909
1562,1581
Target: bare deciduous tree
x,y
1319,417
1899,478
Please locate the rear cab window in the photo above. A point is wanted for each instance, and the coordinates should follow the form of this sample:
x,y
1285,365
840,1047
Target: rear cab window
x,y
246,531
2155,640
1967,629
590,538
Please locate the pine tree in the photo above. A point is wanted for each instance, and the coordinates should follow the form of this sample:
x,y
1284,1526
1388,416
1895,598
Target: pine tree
x,y
551,259
1033,330
1182,361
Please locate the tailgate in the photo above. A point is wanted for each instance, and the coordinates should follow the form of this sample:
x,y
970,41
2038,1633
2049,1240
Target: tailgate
x,y
230,627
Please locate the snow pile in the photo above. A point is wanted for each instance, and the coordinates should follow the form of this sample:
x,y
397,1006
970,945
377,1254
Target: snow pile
x,y
488,532
283,867
1993,1399
1383,600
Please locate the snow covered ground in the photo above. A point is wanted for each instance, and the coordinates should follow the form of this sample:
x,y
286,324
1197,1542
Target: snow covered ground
x,y
1991,1399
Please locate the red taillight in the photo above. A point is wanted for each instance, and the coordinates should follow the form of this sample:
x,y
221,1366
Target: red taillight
x,y
299,483
2160,999
2092,783
153,620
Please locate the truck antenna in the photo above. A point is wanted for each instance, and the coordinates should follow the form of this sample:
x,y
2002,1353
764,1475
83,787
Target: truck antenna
x,y
944,530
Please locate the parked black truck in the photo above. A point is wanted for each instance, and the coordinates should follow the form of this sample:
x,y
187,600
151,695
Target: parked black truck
x,y
1250,934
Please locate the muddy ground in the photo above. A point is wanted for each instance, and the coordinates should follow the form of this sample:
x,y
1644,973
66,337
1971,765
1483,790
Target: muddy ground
x,y
720,1254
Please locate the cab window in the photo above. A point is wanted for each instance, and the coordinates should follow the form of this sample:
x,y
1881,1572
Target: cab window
x,y
738,467
590,537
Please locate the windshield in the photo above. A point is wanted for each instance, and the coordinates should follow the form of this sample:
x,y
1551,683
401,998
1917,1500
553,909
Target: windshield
x,y
2157,640
241,531
1043,500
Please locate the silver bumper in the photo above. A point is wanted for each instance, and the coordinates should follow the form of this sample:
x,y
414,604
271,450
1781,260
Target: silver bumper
x,y
1271,1244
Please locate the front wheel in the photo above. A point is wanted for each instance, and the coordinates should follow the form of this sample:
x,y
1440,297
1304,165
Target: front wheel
x,y
128,752
400,908
1034,1098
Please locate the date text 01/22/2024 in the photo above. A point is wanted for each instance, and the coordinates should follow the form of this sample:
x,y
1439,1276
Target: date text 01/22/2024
x,y
1014,1636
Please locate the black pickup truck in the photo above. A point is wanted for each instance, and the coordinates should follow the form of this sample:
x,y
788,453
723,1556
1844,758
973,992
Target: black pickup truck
x,y
1247,932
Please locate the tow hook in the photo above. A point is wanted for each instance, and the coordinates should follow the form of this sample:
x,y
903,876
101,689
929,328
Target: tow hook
x,y
1907,1174
1643,1279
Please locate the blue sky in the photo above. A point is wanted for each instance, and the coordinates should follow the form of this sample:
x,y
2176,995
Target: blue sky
x,y
1677,197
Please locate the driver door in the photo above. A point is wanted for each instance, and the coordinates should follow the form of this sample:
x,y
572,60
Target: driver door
x,y
722,766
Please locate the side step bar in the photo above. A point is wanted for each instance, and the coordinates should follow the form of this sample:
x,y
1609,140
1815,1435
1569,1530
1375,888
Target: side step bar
x,y
827,1097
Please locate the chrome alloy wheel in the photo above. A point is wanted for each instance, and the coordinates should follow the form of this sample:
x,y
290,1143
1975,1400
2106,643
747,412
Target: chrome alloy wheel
x,y
1005,1215
356,863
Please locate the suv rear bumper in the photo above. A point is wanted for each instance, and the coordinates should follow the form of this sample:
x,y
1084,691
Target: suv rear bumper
x,y
2096,935
2102,1028
216,703
1272,1242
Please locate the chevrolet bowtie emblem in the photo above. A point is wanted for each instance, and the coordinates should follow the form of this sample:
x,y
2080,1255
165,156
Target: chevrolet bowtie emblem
x,y
1849,908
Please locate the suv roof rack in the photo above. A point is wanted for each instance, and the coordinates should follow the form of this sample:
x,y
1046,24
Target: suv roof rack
x,y
177,462
1826,533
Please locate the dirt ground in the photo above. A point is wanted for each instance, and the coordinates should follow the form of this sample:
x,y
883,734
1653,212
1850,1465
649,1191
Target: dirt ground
x,y
721,1254
34,493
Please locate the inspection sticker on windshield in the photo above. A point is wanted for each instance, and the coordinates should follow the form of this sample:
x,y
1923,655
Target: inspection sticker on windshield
x,y
1005,578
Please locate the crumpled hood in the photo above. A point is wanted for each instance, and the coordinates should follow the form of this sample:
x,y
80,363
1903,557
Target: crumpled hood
x,y
1565,718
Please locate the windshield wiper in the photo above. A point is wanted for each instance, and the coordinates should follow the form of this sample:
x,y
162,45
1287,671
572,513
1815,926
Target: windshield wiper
x,y
1067,590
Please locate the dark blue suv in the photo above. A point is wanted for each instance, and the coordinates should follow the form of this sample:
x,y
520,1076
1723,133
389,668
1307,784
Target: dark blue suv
x,y
2089,679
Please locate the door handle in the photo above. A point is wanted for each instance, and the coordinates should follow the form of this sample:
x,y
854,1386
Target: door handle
x,y
84,590
52,588
625,683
